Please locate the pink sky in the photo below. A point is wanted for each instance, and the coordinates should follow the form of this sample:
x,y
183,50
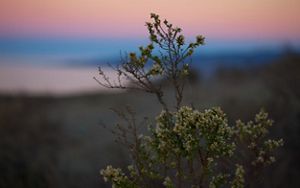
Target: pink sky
x,y
238,19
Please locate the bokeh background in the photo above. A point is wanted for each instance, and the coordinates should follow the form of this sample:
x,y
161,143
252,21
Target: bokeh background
x,y
52,111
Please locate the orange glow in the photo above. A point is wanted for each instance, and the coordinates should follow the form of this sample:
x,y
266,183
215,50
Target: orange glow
x,y
98,18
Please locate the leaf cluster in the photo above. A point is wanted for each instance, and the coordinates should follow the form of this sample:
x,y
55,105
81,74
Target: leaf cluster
x,y
198,149
185,147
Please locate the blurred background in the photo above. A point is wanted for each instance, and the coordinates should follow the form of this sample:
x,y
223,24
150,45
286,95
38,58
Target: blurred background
x,y
52,111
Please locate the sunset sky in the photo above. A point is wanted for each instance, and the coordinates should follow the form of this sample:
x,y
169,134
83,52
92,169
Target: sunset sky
x,y
38,33
230,19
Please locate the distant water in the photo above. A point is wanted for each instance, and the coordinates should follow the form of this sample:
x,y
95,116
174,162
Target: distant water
x,y
57,51
65,66
60,51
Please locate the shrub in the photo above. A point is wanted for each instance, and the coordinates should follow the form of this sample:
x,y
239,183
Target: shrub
x,y
185,147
